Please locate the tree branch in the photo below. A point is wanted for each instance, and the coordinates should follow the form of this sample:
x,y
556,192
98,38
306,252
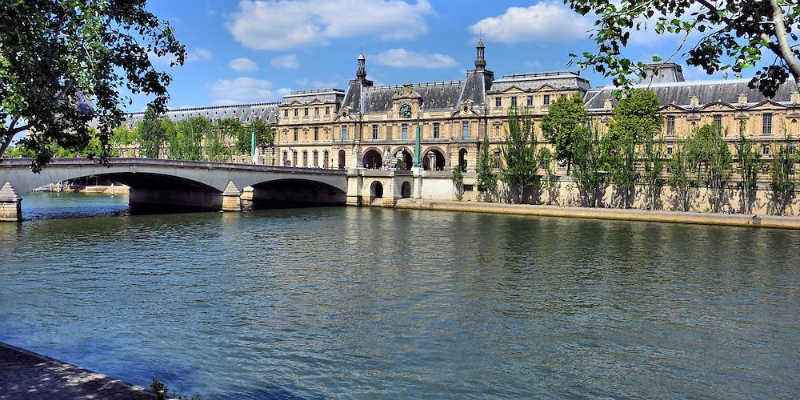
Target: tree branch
x,y
785,50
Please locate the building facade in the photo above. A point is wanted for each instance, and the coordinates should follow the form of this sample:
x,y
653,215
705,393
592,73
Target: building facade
x,y
375,127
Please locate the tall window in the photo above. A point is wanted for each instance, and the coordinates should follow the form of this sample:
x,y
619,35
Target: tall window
x,y
305,111
530,101
286,113
315,159
765,149
327,110
404,131
316,110
285,159
670,125
546,99
435,130
465,130
295,112
766,128
718,120
295,134
305,158
316,133
325,159
498,102
514,101
344,132
374,132
294,159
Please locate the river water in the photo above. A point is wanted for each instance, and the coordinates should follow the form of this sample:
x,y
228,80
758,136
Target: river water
x,y
363,303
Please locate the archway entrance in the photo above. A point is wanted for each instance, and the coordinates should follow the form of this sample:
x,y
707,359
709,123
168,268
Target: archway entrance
x,y
376,190
373,160
403,159
405,190
341,159
462,160
433,161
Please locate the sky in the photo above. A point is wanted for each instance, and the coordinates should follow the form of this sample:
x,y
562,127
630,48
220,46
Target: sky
x,y
257,51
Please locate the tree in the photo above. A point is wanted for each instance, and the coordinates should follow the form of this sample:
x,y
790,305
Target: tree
x,y
563,124
726,35
62,64
749,159
589,162
487,178
550,179
265,136
636,122
681,167
652,160
152,134
458,182
519,170
711,152
782,174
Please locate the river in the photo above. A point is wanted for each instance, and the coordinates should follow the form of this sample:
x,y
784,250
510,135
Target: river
x,y
367,303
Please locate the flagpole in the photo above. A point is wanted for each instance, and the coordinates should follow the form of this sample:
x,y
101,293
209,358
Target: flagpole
x,y
253,145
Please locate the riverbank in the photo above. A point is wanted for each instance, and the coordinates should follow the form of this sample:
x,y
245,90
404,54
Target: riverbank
x,y
27,375
742,220
91,189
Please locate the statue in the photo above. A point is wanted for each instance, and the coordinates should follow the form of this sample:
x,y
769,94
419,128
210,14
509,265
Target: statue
x,y
356,156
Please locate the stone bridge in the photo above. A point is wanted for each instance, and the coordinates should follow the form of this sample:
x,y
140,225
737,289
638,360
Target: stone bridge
x,y
191,184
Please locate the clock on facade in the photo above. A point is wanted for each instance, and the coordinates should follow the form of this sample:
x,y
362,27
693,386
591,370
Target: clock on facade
x,y
405,111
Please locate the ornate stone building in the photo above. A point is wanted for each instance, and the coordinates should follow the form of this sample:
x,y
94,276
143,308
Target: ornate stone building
x,y
375,127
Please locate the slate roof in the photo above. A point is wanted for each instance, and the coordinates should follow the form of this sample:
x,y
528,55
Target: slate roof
x,y
309,96
245,113
680,93
560,80
477,84
435,96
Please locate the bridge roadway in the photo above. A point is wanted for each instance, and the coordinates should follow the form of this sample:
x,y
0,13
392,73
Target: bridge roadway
x,y
194,184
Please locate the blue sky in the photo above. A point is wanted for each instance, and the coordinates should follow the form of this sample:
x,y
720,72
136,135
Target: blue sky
x,y
253,51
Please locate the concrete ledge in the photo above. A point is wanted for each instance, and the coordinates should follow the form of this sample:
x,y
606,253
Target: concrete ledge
x,y
742,220
27,375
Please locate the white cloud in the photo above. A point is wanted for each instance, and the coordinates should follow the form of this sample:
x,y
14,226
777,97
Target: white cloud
x,y
244,90
283,25
288,61
199,54
543,24
402,58
314,84
243,65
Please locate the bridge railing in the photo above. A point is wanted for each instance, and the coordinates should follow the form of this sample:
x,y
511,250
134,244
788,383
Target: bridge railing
x,y
155,162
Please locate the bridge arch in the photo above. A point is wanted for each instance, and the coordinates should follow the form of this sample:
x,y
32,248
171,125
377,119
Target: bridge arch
x,y
297,191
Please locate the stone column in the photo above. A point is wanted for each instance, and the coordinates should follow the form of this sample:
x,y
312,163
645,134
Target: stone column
x,y
354,186
231,198
247,198
10,204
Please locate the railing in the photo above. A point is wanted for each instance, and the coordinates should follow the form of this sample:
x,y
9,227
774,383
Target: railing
x,y
157,162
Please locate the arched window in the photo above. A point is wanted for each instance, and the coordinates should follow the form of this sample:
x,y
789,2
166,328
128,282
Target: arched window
x,y
305,158
325,159
285,159
315,159
294,159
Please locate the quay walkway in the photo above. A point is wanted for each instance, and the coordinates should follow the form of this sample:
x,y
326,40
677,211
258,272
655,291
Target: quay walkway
x,y
30,376
743,220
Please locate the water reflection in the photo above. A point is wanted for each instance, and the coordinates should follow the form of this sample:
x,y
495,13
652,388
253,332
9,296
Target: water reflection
x,y
378,304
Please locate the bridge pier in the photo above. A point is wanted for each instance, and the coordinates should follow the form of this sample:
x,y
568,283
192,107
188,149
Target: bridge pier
x,y
232,198
10,204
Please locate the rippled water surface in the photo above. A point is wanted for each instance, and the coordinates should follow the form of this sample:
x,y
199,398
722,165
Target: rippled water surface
x,y
328,303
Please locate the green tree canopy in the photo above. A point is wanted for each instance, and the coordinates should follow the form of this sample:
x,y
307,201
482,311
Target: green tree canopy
x,y
519,153
563,124
718,35
62,63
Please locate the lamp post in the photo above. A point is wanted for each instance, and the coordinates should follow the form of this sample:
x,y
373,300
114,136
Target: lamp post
x,y
417,146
